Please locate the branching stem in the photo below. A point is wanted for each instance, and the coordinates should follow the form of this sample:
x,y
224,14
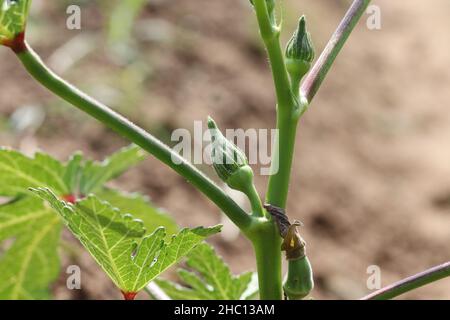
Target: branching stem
x,y
290,105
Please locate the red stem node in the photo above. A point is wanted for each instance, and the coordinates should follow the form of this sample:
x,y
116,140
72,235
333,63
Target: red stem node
x,y
129,295
17,44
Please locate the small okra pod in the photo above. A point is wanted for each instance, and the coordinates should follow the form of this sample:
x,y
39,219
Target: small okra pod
x,y
299,280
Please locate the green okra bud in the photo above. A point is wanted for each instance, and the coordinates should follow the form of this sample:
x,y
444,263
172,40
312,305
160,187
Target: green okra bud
x,y
229,162
299,52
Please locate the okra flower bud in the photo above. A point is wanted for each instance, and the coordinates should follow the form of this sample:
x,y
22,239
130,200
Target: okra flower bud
x,y
229,162
299,52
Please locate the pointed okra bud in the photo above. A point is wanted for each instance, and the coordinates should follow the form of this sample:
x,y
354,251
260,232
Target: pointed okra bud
x,y
299,52
229,162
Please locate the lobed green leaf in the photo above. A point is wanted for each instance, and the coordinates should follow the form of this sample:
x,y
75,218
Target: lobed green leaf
x,y
118,242
95,174
29,230
19,172
142,209
212,279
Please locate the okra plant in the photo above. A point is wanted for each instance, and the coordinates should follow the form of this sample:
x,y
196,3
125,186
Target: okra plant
x,y
131,240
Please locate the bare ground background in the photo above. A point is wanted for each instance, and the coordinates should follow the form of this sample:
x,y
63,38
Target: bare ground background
x,y
371,178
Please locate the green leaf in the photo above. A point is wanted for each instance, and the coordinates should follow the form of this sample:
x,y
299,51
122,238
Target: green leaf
x,y
141,208
13,17
19,172
96,174
29,230
118,243
31,262
212,280
73,171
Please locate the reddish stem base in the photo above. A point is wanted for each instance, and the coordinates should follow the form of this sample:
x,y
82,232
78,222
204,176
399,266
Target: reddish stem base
x,y
129,295
17,44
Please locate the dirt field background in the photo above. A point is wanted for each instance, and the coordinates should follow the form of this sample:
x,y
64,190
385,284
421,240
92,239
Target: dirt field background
x,y
371,177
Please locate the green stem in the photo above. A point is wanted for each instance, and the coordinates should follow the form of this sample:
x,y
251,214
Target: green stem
x,y
271,37
255,201
431,275
278,187
267,244
289,108
36,67
295,85
287,120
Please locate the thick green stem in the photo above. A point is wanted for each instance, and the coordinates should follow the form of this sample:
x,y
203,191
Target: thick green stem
x,y
123,126
289,108
394,290
286,108
278,188
271,37
267,244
